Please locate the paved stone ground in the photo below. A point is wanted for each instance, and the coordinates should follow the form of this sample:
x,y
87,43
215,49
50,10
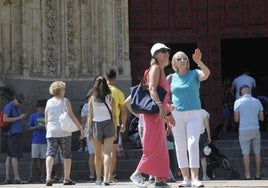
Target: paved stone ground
x,y
210,184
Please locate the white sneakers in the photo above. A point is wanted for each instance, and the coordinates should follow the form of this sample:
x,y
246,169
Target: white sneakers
x,y
138,180
185,183
189,183
206,178
197,183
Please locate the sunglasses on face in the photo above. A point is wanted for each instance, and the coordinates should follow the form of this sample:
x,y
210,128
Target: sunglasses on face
x,y
180,59
164,50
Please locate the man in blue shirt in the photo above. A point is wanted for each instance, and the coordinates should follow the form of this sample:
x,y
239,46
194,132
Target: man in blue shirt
x,y
248,111
14,136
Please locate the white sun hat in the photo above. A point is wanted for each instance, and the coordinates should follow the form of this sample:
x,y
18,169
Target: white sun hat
x,y
158,46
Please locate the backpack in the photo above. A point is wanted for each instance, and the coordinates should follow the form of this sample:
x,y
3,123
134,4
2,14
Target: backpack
x,y
3,125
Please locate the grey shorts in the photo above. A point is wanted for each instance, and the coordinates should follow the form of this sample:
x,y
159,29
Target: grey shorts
x,y
248,139
103,130
64,143
39,151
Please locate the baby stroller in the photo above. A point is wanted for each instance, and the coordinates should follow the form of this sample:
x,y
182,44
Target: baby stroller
x,y
217,160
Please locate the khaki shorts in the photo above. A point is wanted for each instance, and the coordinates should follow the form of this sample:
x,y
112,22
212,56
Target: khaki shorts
x,y
39,151
248,139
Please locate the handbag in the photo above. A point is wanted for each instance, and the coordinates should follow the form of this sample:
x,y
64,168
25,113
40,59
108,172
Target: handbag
x,y
141,101
66,121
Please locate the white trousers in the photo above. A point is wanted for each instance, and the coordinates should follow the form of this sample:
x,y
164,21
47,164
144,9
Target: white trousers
x,y
186,135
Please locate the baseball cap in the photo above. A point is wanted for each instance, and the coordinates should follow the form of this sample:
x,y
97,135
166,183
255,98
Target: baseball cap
x,y
207,150
158,46
19,96
243,87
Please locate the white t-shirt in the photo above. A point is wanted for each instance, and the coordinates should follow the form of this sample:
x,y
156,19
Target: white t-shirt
x,y
204,115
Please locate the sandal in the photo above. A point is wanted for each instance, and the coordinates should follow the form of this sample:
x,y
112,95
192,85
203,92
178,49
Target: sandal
x,y
49,182
246,178
7,181
257,178
68,182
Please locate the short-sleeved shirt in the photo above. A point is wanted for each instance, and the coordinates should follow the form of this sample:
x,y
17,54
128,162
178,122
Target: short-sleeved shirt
x,y
185,91
243,79
119,99
39,135
84,113
248,108
11,110
204,115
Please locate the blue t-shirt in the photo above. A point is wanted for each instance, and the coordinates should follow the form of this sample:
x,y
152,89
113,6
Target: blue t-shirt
x,y
39,135
185,91
11,110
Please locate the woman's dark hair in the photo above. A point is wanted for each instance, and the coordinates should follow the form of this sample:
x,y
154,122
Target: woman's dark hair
x,y
100,89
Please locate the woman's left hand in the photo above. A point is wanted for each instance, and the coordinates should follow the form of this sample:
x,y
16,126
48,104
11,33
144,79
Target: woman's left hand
x,y
197,56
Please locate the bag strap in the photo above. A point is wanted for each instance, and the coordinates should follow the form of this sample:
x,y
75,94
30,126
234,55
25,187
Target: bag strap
x,y
144,76
108,109
64,107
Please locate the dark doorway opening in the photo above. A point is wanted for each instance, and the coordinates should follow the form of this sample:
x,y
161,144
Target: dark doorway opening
x,y
251,53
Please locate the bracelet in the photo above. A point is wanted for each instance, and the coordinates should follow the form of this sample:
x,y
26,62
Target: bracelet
x,y
168,114
200,64
158,102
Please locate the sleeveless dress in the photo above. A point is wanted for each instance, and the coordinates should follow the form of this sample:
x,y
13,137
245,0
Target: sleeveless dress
x,y
155,157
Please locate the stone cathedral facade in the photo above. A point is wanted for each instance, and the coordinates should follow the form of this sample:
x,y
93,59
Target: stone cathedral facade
x,y
69,40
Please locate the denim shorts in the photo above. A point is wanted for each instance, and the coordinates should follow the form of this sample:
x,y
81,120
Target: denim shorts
x,y
248,139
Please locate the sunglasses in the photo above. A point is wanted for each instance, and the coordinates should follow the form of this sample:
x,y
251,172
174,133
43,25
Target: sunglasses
x,y
180,59
164,50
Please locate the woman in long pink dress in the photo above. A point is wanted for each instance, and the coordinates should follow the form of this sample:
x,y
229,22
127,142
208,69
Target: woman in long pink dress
x,y
155,158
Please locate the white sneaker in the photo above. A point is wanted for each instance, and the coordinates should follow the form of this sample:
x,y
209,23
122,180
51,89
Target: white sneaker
x,y
185,183
98,182
206,178
138,180
151,179
197,183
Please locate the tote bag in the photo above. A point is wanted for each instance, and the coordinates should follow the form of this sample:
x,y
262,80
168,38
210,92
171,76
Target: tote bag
x,y
141,101
66,121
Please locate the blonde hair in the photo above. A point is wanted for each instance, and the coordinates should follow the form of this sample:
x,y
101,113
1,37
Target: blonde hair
x,y
56,87
153,61
174,61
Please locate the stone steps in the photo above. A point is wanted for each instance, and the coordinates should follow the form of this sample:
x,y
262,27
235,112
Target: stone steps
x,y
128,163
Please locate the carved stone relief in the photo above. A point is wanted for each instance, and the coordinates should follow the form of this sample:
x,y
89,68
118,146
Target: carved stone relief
x,y
65,38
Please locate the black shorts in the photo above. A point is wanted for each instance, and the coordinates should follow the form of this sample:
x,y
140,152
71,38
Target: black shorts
x,y
14,145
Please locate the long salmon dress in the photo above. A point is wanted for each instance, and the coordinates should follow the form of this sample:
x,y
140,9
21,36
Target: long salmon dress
x,y
155,158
